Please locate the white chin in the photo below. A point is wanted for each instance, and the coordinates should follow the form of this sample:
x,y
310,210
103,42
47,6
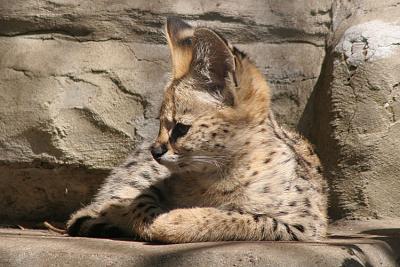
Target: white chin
x,y
171,164
175,167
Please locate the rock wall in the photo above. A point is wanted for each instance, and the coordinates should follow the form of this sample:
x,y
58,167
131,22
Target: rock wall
x,y
356,110
81,83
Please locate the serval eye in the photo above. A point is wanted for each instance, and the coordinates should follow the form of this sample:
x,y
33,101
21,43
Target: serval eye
x,y
179,130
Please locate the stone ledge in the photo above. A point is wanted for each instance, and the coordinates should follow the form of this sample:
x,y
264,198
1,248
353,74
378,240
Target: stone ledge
x,y
369,243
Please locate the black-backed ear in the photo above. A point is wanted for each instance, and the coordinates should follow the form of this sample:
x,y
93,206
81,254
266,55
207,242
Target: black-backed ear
x,y
213,62
179,35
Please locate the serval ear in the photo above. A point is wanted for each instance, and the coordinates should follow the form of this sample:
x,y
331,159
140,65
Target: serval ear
x,y
213,64
179,35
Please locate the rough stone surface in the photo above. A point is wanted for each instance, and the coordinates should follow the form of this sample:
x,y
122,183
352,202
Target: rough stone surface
x,y
81,83
373,243
356,114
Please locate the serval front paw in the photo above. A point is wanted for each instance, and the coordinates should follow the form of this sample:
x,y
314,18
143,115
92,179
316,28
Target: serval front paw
x,y
89,223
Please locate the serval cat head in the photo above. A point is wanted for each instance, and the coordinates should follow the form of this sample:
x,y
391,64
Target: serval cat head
x,y
214,105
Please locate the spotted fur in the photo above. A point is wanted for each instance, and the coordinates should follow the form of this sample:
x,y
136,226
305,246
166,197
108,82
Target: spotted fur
x,y
224,169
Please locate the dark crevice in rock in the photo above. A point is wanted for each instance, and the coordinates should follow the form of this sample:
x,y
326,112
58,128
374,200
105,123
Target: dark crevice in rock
x,y
27,73
290,80
154,61
217,16
76,79
118,83
71,32
145,104
97,121
294,41
44,163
